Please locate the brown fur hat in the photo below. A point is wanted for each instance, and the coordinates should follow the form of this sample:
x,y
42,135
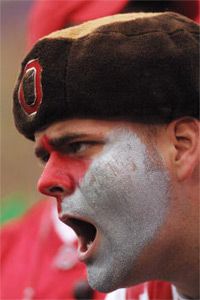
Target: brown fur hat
x,y
140,66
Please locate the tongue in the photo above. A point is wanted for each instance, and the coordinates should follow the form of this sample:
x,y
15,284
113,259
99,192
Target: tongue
x,y
83,245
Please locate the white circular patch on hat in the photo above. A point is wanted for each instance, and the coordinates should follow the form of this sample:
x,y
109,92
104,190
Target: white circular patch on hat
x,y
30,89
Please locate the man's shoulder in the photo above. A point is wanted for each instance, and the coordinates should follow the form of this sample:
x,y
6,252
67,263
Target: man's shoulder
x,y
13,231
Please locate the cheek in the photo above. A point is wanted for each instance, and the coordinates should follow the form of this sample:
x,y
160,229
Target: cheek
x,y
64,166
62,171
75,168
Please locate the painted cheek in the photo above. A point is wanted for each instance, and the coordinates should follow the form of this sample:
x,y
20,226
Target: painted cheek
x,y
61,176
76,168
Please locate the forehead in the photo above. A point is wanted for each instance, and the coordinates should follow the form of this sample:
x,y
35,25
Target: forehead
x,y
85,127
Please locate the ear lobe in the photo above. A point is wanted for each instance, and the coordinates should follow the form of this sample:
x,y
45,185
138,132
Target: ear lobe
x,y
185,134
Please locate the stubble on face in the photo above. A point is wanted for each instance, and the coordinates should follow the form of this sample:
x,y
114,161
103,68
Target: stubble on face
x,y
125,194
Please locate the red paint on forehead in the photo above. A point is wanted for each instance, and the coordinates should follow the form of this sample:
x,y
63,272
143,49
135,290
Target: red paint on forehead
x,y
45,143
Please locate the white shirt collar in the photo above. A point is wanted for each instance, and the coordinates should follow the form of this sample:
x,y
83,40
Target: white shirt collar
x,y
65,233
176,295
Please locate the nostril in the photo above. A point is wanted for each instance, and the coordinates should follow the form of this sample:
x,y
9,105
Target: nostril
x,y
56,189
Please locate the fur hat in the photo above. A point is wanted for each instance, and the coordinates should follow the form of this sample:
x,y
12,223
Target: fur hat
x,y
140,66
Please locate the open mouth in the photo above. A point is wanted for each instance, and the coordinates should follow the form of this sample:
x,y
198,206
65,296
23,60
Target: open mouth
x,y
86,233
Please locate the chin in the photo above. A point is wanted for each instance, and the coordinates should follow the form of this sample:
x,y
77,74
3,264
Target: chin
x,y
103,280
102,286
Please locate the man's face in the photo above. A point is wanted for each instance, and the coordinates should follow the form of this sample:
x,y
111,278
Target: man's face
x,y
111,188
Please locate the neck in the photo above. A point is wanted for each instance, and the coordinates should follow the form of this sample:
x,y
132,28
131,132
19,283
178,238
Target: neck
x,y
183,249
181,252
185,275
188,286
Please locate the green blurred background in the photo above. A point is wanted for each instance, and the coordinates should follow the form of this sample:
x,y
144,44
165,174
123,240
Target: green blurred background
x,y
19,168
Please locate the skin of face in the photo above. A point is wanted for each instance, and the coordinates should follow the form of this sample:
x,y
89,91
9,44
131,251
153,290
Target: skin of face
x,y
115,183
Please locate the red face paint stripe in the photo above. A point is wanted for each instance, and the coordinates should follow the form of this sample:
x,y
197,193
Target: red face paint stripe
x,y
61,170
45,143
72,163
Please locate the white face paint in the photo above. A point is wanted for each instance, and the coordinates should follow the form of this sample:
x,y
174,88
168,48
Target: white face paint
x,y
125,194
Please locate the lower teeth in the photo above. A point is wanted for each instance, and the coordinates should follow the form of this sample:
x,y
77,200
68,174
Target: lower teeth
x,y
89,244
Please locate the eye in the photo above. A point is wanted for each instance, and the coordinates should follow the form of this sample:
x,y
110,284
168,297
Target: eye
x,y
77,147
44,158
83,149
42,155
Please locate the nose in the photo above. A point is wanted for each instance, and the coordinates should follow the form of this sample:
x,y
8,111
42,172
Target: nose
x,y
55,188
56,180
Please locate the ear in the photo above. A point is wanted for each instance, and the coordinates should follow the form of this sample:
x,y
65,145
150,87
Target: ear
x,y
184,134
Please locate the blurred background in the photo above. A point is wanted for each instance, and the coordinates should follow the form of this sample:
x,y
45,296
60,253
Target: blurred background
x,y
19,168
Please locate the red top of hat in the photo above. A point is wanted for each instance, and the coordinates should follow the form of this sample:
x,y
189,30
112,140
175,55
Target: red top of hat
x,y
48,16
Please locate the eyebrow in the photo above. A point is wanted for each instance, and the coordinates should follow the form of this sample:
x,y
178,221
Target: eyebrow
x,y
40,152
58,143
